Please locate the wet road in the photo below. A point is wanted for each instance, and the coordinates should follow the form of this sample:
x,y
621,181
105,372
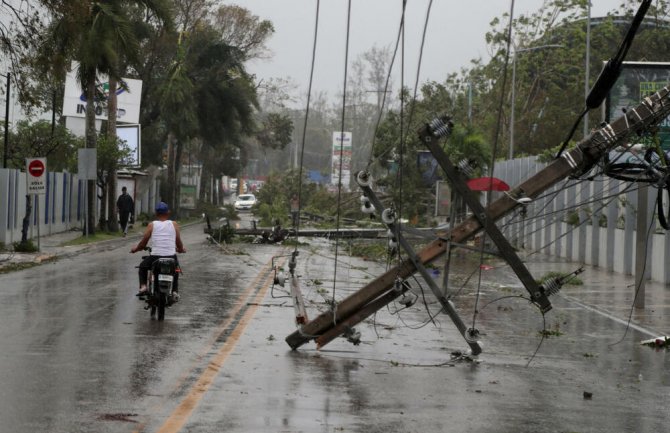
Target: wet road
x,y
79,354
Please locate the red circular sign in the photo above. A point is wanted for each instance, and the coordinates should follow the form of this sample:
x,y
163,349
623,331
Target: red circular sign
x,y
36,168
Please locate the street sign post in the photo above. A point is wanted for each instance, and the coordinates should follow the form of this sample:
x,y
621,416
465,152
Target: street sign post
x,y
36,183
36,174
86,170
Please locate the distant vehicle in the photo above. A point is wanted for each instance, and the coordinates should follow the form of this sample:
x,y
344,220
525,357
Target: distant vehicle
x,y
245,202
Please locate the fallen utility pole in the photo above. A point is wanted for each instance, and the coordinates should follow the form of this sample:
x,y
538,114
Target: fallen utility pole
x,y
296,293
577,161
429,135
389,218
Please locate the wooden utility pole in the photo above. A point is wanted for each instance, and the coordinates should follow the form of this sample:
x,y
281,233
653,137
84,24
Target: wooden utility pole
x,y
296,293
577,161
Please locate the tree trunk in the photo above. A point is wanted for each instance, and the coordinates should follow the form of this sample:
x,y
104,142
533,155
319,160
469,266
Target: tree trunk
x,y
112,222
177,168
26,220
102,220
91,144
171,174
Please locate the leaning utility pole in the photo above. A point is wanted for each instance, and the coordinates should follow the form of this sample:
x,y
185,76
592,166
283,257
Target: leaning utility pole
x,y
579,160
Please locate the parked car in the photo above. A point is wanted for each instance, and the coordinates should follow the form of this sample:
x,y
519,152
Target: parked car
x,y
245,201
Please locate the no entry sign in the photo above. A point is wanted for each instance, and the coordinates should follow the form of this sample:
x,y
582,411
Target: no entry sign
x,y
36,171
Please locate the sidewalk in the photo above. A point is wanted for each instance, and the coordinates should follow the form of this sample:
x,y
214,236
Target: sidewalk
x,y
51,248
611,295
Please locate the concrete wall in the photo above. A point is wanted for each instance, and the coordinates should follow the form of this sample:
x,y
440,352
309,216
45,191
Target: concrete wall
x,y
58,210
62,207
586,204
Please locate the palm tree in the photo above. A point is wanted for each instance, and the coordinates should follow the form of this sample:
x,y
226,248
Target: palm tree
x,y
127,54
97,35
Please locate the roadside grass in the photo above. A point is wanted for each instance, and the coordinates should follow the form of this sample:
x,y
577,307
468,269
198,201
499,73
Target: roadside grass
x,y
97,237
100,236
12,267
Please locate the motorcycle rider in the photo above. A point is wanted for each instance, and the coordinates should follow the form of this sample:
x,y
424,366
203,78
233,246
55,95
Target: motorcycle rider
x,y
165,242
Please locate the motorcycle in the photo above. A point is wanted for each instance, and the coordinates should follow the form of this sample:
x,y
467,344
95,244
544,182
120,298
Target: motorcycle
x,y
276,235
161,281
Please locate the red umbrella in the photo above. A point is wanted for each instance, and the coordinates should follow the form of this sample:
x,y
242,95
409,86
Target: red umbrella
x,y
486,183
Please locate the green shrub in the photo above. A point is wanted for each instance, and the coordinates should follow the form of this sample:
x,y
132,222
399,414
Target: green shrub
x,y
144,219
369,250
223,234
229,212
269,213
25,247
602,220
572,218
212,210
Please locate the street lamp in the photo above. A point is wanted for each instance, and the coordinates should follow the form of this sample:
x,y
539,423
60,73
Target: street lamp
x,y
511,123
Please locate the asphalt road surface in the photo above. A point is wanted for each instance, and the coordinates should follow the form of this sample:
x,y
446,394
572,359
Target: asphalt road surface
x,y
79,353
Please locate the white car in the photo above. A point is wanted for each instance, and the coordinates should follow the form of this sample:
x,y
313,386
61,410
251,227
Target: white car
x,y
245,202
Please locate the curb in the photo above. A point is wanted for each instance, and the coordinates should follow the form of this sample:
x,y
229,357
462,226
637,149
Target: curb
x,y
44,257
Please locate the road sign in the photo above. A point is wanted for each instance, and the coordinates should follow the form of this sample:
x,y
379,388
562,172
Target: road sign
x,y
36,173
86,164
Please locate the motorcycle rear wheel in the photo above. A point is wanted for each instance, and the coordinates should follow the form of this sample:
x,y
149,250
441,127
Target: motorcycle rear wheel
x,y
152,296
162,302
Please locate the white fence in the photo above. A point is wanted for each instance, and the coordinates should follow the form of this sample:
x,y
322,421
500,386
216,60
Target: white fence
x,y
62,207
585,221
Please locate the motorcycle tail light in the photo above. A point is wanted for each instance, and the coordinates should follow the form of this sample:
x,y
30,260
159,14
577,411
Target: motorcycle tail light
x,y
166,266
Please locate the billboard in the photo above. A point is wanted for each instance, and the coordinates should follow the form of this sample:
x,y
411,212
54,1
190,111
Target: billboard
x,y
188,196
341,158
637,81
128,94
132,136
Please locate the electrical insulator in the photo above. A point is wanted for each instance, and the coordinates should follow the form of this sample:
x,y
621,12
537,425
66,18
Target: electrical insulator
x,y
366,205
388,216
466,167
553,285
280,279
353,336
406,301
441,127
393,241
363,178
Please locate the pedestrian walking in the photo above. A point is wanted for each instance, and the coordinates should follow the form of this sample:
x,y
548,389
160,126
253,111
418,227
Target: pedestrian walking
x,y
126,209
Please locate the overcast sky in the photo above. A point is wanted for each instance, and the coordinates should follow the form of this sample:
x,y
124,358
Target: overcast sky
x,y
456,31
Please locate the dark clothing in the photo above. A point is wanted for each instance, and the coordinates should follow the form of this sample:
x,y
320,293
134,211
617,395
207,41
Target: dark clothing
x,y
123,220
146,264
125,203
126,208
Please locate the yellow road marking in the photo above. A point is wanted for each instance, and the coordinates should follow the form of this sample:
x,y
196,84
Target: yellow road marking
x,y
180,415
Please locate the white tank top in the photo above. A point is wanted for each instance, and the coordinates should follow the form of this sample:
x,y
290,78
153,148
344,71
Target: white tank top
x,y
163,238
